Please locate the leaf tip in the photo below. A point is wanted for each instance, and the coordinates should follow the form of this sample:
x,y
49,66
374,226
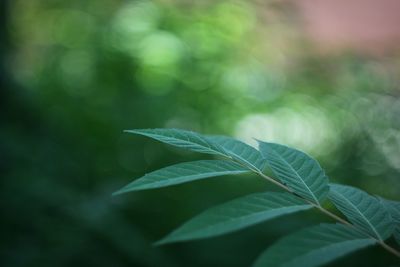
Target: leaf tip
x,y
264,143
258,140
134,131
123,190
116,193
161,242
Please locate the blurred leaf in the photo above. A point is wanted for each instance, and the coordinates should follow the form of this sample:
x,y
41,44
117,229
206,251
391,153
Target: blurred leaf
x,y
314,246
397,234
237,214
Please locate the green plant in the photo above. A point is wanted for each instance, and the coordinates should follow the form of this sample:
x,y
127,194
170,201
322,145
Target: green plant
x,y
370,220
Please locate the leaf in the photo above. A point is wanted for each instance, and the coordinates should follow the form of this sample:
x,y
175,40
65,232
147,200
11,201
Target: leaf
x,y
237,214
218,145
397,234
394,209
182,138
314,246
362,210
240,151
183,173
297,170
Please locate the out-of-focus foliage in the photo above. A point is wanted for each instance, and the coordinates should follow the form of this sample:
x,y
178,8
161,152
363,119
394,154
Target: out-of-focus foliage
x,y
76,73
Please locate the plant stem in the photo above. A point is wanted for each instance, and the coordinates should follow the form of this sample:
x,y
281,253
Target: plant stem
x,y
389,248
275,182
332,215
327,212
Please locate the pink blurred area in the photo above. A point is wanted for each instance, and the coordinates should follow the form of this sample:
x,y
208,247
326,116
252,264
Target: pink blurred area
x,y
371,26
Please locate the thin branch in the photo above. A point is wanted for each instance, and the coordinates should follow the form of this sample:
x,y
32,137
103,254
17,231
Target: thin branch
x,y
327,212
275,182
389,248
333,216
316,205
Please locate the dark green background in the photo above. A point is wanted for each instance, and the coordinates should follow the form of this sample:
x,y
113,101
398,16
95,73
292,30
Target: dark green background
x,y
75,74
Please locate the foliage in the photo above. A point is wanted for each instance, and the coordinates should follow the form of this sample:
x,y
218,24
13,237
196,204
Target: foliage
x,y
74,73
371,221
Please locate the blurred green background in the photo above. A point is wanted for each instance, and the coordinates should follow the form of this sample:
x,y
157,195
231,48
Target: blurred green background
x,y
75,74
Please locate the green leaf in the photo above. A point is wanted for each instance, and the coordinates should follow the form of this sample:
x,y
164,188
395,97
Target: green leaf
x,y
182,138
237,214
241,152
217,145
362,210
297,170
314,246
397,234
394,209
183,173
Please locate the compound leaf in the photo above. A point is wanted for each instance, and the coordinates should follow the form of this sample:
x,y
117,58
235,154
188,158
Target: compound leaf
x,y
237,214
183,173
297,170
362,210
314,246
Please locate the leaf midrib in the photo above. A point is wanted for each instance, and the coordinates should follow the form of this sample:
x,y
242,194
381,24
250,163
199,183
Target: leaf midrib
x,y
252,167
205,174
256,214
185,139
362,216
148,183
232,155
287,163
